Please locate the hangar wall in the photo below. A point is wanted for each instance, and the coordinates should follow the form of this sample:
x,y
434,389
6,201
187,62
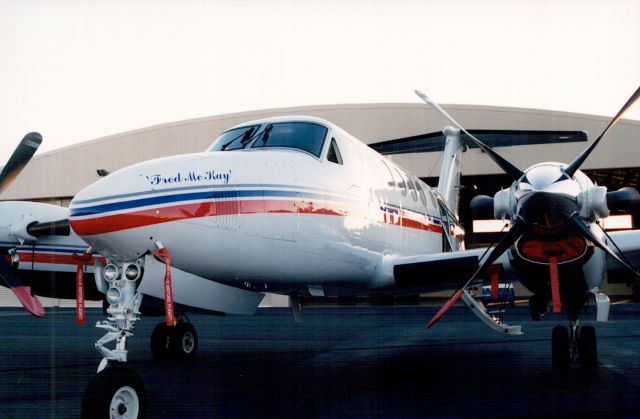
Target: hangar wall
x,y
62,173
58,175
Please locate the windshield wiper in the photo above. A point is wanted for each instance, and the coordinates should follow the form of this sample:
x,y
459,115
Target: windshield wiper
x,y
246,137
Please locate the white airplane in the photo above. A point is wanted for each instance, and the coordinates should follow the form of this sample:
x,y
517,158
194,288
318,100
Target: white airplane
x,y
298,206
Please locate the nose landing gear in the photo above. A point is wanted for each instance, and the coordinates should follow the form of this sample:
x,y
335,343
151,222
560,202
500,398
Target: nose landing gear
x,y
116,392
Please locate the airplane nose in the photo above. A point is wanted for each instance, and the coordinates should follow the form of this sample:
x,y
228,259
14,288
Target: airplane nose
x,y
101,211
120,214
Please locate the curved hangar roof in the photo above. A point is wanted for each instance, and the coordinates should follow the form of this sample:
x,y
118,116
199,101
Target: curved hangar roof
x,y
400,127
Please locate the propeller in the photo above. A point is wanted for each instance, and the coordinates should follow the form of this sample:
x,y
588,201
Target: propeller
x,y
49,228
514,233
505,165
577,162
19,159
535,200
12,281
587,233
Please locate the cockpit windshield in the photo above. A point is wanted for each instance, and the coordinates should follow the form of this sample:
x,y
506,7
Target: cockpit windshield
x,y
305,136
234,139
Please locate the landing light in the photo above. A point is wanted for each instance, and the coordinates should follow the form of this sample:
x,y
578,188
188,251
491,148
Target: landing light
x,y
113,296
110,272
132,272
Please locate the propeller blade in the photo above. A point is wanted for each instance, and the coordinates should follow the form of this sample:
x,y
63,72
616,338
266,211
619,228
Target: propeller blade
x,y
575,164
23,292
587,233
508,168
19,159
50,228
503,245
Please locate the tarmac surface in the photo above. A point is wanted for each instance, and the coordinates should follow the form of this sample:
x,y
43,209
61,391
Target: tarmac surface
x,y
339,362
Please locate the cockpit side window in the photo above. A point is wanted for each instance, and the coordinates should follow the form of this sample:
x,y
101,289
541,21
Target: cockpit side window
x,y
234,139
423,197
412,188
305,136
392,181
402,185
333,155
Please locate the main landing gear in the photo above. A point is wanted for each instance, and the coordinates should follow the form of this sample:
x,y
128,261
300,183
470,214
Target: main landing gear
x,y
179,342
574,343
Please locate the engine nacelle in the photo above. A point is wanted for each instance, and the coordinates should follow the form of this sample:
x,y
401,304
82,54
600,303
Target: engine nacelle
x,y
503,204
17,218
593,202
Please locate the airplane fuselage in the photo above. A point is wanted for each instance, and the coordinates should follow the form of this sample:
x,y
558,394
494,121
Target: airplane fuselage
x,y
267,219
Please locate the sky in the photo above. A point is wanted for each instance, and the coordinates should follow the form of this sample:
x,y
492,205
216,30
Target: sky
x,y
76,70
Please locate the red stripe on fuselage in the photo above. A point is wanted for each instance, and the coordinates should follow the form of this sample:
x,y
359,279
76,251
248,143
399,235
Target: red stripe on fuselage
x,y
53,258
143,218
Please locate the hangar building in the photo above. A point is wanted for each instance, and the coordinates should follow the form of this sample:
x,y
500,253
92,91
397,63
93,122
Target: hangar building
x,y
408,133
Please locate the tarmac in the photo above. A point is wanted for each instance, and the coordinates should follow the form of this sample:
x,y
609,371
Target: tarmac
x,y
339,362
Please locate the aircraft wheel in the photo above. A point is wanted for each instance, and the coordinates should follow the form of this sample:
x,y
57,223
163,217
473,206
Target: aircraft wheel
x,y
560,349
116,392
184,342
161,338
587,349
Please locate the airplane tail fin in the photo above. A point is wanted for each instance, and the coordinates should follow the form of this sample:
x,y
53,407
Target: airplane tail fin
x,y
449,180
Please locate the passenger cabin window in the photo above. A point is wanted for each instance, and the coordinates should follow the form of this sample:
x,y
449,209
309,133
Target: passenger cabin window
x,y
306,136
234,139
334,152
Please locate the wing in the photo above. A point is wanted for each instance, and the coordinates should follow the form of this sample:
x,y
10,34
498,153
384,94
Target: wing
x,y
628,243
441,271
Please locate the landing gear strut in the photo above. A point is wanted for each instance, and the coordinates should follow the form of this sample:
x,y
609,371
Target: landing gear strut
x,y
117,391
179,342
573,343
120,284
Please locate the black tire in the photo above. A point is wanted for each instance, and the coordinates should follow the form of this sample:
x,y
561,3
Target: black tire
x,y
116,389
161,338
587,348
184,341
560,349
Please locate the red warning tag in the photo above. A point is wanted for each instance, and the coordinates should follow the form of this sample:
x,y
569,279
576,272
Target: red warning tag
x,y
168,287
81,261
